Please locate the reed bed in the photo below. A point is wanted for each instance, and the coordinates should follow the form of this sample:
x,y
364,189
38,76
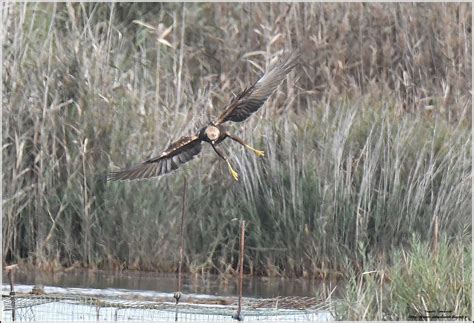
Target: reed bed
x,y
420,285
367,143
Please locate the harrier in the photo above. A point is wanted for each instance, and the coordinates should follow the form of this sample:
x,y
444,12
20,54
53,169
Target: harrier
x,y
240,108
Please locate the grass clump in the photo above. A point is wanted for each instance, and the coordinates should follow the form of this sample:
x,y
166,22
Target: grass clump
x,y
421,283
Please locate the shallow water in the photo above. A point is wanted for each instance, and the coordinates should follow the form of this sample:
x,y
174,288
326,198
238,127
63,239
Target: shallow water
x,y
143,288
166,283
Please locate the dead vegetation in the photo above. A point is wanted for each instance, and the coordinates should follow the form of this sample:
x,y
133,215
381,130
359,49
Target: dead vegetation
x,y
367,142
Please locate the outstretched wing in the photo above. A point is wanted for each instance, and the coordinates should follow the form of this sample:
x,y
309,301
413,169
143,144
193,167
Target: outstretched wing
x,y
179,152
252,98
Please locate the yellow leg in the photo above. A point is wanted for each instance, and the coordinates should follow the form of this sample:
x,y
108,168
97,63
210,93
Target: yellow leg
x,y
234,174
259,153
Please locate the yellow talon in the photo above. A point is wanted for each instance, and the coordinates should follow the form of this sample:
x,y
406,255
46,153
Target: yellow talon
x,y
259,153
234,174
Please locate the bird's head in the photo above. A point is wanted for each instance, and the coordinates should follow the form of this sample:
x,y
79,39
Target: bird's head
x,y
212,133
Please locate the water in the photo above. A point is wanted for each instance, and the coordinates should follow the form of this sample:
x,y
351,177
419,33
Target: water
x,y
166,283
143,288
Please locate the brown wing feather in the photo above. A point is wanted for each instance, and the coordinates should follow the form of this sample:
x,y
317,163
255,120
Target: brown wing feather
x,y
252,98
178,153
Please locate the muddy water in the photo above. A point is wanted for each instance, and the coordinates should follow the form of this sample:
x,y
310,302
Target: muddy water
x,y
166,283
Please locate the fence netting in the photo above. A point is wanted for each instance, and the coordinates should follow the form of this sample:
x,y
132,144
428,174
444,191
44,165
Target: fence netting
x,y
82,308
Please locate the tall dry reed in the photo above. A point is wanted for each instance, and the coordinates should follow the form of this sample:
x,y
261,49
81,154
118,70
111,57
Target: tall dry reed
x,y
367,142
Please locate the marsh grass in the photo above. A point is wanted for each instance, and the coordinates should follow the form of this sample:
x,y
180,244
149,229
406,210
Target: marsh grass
x,y
367,143
418,284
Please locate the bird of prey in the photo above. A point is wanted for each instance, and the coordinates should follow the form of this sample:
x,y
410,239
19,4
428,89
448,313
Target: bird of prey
x,y
240,108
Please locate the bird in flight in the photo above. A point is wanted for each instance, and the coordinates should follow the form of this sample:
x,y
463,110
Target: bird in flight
x,y
239,109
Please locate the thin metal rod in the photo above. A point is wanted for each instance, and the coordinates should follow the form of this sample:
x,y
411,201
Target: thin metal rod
x,y
177,295
241,270
10,274
181,237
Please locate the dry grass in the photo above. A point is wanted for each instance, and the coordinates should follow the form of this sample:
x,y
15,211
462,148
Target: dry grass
x,y
367,142
411,288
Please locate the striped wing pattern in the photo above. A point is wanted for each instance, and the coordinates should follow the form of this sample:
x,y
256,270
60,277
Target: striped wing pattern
x,y
178,153
252,98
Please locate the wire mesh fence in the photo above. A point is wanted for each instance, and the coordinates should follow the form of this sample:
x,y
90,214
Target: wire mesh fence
x,y
81,308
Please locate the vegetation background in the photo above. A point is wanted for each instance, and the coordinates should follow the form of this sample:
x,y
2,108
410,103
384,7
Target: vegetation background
x,y
367,174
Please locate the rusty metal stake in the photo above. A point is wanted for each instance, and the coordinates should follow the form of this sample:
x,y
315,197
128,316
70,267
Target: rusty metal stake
x,y
238,316
10,273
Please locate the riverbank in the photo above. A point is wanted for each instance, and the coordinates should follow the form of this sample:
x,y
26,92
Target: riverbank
x,y
422,278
